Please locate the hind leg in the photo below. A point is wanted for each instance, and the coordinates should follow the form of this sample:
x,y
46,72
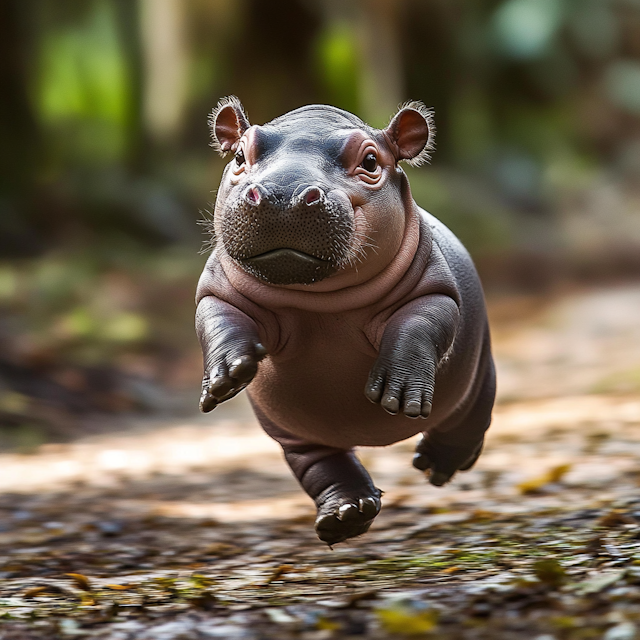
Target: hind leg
x,y
346,499
443,460
458,449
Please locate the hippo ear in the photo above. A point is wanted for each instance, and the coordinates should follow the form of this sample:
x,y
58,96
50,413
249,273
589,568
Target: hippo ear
x,y
228,122
412,132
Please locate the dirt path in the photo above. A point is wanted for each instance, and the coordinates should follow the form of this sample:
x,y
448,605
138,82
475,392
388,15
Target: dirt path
x,y
197,530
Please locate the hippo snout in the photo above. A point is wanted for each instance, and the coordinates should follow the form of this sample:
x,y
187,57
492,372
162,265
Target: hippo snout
x,y
300,238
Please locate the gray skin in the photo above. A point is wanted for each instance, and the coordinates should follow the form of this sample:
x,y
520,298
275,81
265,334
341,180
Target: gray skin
x,y
356,317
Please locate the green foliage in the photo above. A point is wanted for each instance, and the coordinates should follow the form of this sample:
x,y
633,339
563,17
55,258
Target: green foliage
x,y
337,60
83,94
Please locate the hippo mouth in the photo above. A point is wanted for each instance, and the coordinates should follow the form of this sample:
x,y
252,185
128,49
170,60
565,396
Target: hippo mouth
x,y
287,266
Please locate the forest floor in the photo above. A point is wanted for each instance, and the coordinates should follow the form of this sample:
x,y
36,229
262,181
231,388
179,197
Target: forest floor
x,y
190,530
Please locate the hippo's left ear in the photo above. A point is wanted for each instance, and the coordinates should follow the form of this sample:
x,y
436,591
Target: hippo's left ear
x,y
228,122
412,133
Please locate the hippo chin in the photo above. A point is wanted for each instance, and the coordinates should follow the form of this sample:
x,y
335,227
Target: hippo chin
x,y
288,266
354,317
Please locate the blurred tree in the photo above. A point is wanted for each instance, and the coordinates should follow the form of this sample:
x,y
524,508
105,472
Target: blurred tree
x,y
104,102
20,136
166,65
382,79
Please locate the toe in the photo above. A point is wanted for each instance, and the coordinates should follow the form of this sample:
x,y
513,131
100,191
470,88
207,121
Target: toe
x,y
261,351
347,520
347,513
369,507
207,403
390,404
437,479
243,368
220,386
421,462
373,390
412,408
425,410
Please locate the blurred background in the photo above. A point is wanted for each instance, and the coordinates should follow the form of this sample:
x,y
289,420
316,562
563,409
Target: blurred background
x,y
106,169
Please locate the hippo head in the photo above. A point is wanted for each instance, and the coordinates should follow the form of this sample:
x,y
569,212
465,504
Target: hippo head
x,y
315,192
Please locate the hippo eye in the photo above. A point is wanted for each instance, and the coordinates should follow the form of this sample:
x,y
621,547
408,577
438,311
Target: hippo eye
x,y
240,158
370,162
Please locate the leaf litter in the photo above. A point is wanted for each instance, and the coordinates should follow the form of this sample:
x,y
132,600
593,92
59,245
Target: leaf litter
x,y
540,540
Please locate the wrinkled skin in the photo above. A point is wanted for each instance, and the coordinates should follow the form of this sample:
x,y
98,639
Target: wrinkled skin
x,y
353,316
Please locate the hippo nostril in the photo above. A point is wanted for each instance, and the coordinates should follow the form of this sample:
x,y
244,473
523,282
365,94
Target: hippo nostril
x,y
253,195
312,195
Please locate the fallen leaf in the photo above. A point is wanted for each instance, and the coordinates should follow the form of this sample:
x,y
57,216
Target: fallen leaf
x,y
549,571
615,518
450,570
35,591
406,621
47,589
81,581
279,572
479,515
535,484
324,624
600,582
118,587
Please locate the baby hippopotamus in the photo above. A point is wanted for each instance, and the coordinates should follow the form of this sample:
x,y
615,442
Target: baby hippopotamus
x,y
353,316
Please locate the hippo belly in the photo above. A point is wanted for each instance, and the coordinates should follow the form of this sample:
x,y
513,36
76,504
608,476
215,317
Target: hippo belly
x,y
318,395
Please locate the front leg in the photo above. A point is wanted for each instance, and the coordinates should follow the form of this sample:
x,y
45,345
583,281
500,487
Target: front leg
x,y
414,344
231,350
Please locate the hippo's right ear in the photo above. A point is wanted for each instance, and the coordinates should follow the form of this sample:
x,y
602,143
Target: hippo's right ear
x,y
228,122
412,133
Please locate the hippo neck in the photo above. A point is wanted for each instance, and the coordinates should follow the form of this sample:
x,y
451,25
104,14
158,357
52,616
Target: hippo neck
x,y
395,279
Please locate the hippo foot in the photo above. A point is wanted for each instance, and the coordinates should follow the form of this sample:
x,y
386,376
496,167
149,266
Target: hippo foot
x,y
342,517
442,461
229,379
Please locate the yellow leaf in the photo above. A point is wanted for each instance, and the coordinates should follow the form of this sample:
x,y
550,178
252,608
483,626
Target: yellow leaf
x,y
35,591
451,570
324,624
557,473
82,582
46,589
118,587
535,484
407,622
